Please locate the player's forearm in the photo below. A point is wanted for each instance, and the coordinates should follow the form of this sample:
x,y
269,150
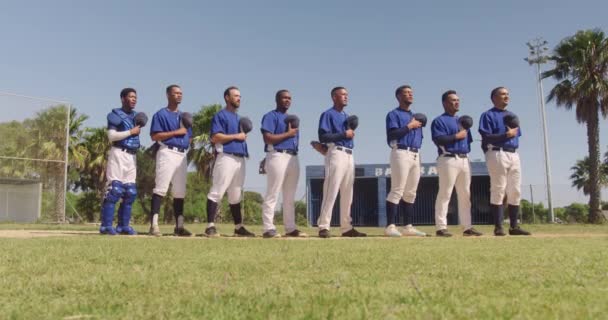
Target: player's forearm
x,y
331,137
496,137
396,134
222,138
114,135
270,138
445,140
162,136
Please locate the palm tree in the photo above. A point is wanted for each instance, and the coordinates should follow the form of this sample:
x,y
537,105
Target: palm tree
x,y
581,69
580,175
202,153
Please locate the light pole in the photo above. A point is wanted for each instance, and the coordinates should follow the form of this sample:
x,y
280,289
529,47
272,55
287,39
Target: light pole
x,y
537,55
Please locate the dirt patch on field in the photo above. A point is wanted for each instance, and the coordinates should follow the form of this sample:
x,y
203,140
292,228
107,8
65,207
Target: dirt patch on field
x,y
26,234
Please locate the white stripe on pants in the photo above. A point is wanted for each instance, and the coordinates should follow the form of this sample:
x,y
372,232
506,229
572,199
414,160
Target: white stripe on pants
x,y
283,171
228,176
405,174
452,172
121,166
170,169
339,176
505,177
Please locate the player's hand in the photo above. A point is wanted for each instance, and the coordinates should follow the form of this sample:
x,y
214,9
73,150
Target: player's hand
x,y
461,134
414,124
512,132
135,131
291,132
181,131
350,133
240,136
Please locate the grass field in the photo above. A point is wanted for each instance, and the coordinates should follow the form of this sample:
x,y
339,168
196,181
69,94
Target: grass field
x,y
561,272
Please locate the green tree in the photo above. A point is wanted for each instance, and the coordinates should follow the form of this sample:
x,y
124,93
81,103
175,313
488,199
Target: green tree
x,y
581,175
536,213
92,177
581,66
576,212
201,156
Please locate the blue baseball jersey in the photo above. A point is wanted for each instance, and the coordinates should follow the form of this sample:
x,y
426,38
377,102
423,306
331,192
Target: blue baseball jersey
x,y
399,118
492,122
334,121
274,122
447,125
120,121
165,120
227,122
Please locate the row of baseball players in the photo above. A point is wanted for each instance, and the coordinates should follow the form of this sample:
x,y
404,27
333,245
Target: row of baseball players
x,y
171,130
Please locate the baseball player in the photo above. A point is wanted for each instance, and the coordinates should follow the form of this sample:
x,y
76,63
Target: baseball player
x,y
281,138
404,137
453,138
500,134
228,136
124,125
335,131
171,163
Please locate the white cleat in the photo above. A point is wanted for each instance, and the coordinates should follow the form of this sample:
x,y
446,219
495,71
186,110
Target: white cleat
x,y
391,231
410,231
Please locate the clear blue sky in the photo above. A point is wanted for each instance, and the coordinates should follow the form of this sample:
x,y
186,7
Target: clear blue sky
x,y
86,51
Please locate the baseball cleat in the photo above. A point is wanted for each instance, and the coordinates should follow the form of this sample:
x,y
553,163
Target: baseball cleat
x,y
499,232
242,232
391,231
471,232
211,232
181,232
155,231
352,233
296,234
518,231
443,233
271,234
107,230
128,230
410,231
324,234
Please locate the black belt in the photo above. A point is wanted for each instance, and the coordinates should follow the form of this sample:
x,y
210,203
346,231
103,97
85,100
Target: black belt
x,y
178,149
127,150
455,155
291,152
402,147
347,150
512,150
239,155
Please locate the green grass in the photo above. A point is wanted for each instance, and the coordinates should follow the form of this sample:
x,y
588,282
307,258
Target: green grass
x,y
100,277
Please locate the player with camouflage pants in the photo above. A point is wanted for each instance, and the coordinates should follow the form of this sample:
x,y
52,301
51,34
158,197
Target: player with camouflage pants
x,y
124,125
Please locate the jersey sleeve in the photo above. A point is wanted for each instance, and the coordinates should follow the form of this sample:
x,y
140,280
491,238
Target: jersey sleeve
x,y
217,125
268,124
156,125
486,125
438,129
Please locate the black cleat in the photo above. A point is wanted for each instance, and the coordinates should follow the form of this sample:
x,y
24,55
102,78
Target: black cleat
x,y
242,232
518,231
443,233
471,232
181,232
352,233
271,234
324,233
499,232
296,234
211,232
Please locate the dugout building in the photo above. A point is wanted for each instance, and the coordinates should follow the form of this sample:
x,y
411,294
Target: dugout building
x,y
373,183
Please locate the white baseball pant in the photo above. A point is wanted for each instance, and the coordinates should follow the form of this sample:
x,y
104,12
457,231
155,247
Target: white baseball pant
x,y
228,176
122,166
405,174
453,172
339,177
283,172
170,169
505,176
